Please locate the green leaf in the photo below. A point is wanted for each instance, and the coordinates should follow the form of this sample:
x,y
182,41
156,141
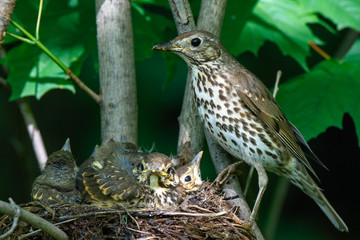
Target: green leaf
x,y
283,22
67,30
318,99
344,13
353,55
23,83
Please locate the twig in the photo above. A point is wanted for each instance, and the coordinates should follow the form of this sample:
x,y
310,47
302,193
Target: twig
x,y
152,237
193,214
15,221
39,230
199,208
248,180
319,50
36,41
136,222
33,131
34,220
32,128
84,87
277,81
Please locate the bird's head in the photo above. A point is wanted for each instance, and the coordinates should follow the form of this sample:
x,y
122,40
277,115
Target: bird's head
x,y
195,47
61,161
160,165
189,174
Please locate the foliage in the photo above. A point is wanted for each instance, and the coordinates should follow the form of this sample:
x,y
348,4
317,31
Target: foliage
x,y
314,100
68,30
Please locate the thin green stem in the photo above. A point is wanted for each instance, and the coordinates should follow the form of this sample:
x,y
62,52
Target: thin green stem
x,y
21,38
248,180
35,41
26,33
38,43
38,20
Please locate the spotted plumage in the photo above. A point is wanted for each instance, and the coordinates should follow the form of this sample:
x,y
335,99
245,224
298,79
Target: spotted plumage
x,y
56,184
244,118
118,174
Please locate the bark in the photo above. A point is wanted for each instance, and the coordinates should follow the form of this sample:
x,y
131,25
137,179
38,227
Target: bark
x,y
119,111
6,10
211,16
191,136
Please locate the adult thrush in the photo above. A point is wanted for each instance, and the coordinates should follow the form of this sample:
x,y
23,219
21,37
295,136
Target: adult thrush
x,y
57,182
243,117
119,174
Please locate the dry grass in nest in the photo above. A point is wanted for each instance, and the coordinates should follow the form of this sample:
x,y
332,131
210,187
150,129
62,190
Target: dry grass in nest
x,y
203,215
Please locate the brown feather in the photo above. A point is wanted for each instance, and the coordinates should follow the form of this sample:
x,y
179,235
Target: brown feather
x,y
259,100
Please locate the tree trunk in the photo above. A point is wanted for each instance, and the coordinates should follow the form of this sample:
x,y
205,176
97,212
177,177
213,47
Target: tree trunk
x,y
119,111
6,10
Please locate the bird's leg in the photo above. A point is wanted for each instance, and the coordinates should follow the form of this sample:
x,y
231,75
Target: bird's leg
x,y
263,180
225,174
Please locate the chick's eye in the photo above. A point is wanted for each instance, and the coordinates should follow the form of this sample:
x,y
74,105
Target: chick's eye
x,y
187,179
169,171
140,167
196,42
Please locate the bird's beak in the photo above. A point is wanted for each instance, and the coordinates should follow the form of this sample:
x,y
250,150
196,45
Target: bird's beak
x,y
197,158
167,47
162,47
66,146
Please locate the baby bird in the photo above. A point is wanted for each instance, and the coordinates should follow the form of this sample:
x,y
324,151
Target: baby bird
x,y
56,184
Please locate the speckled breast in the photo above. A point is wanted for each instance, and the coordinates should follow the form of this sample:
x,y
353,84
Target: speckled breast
x,y
230,122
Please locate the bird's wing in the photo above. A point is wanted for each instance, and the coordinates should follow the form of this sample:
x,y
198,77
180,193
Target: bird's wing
x,y
50,195
259,100
110,180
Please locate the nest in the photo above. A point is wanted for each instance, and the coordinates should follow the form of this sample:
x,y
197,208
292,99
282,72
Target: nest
x,y
203,215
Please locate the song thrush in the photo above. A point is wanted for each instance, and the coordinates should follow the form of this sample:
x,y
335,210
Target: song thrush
x,y
118,175
244,118
57,182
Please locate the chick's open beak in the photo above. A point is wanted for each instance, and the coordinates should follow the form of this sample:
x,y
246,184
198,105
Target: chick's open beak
x,y
157,172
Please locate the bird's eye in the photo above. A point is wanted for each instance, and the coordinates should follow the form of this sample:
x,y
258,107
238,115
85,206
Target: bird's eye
x,y
196,42
140,166
187,179
169,171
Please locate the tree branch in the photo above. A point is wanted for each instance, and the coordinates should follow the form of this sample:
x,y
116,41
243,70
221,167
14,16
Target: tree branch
x,y
182,14
33,219
6,10
215,9
119,112
33,131
32,128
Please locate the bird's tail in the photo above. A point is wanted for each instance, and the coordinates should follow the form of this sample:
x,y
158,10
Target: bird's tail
x,y
309,187
330,212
